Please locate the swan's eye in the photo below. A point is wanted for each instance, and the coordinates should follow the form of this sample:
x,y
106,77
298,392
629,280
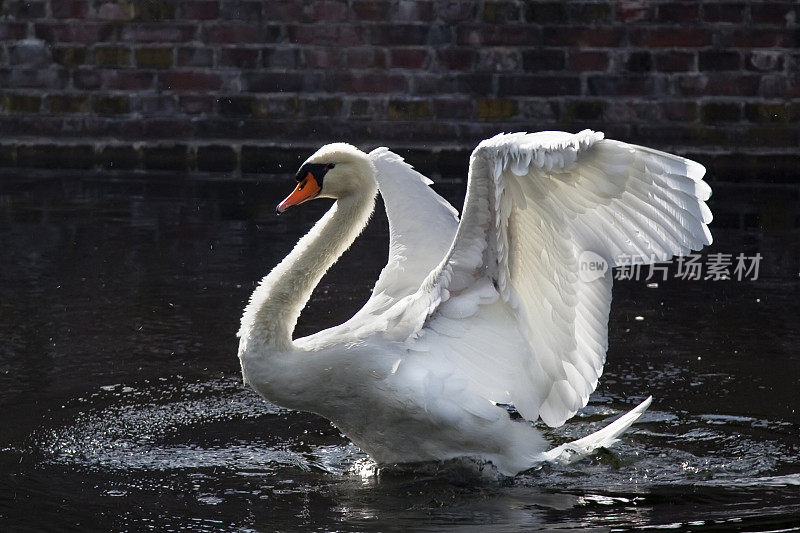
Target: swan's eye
x,y
329,166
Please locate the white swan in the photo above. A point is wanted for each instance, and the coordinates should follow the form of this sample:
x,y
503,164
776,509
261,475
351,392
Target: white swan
x,y
465,316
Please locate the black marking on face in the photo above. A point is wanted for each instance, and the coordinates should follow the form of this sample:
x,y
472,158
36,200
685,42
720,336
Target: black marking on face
x,y
317,171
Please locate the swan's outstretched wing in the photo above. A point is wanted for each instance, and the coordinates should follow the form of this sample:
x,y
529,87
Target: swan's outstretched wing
x,y
422,226
508,306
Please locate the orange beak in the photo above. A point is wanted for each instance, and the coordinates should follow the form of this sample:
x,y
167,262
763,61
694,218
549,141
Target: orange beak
x,y
307,189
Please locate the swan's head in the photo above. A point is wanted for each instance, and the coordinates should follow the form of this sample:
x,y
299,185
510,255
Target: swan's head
x,y
336,170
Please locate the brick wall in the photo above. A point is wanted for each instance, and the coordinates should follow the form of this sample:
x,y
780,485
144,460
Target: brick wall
x,y
250,86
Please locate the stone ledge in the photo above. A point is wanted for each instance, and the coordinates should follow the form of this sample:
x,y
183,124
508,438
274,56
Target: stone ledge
x,y
251,158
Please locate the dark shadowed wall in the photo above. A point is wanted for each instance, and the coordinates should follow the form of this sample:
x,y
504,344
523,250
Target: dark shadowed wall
x,y
250,86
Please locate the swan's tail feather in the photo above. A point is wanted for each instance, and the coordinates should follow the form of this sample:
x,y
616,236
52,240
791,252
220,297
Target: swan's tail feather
x,y
578,449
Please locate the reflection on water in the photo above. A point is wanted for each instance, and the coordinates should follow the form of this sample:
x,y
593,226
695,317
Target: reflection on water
x,y
123,409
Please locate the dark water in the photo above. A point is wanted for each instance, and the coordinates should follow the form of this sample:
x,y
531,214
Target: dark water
x,y
121,406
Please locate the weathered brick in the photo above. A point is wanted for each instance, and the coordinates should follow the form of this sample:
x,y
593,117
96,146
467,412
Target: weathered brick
x,y
29,52
86,79
166,157
368,107
767,112
456,58
635,11
772,136
712,112
660,37
452,107
196,104
117,11
370,9
761,38
326,35
399,35
111,104
12,31
324,107
780,86
216,158
240,33
583,110
723,12
36,78
281,58
84,33
773,13
499,60
155,10
589,13
410,58
200,10
70,9
283,10
68,103
366,58
195,57
185,81
541,110
674,61
328,11
714,84
583,37
242,106
245,11
501,12
322,57
625,85
111,56
159,58
155,104
718,60
278,82
547,59
498,35
367,82
680,111
452,83
126,80
25,9
496,108
545,12
679,12
21,103
539,85
239,57
119,157
69,56
414,11
168,129
458,11
157,33
764,60
55,156
409,109
588,61
639,62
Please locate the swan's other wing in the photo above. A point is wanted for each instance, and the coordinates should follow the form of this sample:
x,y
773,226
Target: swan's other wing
x,y
508,306
422,226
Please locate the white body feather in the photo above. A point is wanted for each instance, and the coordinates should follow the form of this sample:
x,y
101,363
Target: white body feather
x,y
489,310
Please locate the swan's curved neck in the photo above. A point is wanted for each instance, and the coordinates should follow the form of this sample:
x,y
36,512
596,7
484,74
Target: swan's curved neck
x,y
271,315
